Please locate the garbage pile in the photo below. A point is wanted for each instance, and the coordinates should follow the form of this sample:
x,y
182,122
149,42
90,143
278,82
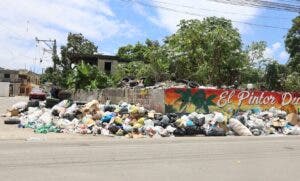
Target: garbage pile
x,y
131,82
134,121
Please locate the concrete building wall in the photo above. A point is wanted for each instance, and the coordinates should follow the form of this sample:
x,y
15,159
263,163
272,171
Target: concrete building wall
x,y
101,64
149,98
16,89
12,76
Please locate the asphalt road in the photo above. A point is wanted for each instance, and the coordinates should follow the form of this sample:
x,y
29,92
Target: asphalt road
x,y
195,158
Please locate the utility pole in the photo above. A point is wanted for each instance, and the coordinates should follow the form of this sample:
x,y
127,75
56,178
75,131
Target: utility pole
x,y
52,48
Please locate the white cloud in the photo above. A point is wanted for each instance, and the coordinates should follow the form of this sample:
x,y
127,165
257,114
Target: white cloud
x,y
272,51
170,20
284,56
276,46
276,51
21,21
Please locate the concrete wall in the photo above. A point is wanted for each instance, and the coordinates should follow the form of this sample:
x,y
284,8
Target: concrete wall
x,y
149,98
13,76
16,89
4,91
101,65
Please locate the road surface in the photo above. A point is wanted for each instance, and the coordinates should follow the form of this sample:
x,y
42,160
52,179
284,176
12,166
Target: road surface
x,y
27,156
194,158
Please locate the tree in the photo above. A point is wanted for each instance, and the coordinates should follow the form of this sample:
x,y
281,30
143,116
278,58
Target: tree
x,y
148,61
212,45
77,44
292,82
254,69
87,77
139,51
292,44
274,77
255,52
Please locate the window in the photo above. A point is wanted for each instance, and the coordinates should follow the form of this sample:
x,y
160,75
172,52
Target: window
x,y
107,67
6,76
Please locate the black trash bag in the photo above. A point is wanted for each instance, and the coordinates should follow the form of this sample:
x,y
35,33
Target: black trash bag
x,y
64,95
191,130
200,130
126,79
33,103
216,131
173,125
133,83
68,116
50,102
54,92
156,122
124,110
12,121
193,84
165,121
184,81
173,117
199,122
109,108
179,132
55,112
256,132
242,119
113,129
158,116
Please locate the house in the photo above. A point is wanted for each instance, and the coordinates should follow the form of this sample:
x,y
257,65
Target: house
x,y
7,75
105,63
21,81
12,77
29,80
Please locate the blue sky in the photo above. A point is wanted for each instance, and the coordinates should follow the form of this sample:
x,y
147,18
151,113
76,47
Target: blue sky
x,y
114,23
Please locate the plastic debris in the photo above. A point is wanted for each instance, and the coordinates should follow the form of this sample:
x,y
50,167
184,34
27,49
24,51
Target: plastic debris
x,y
134,121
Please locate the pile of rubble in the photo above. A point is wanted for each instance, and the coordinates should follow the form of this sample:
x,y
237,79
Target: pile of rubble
x,y
134,121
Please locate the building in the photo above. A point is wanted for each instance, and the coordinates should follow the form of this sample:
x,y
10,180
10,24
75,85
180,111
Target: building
x,y
29,80
105,63
21,81
7,75
11,76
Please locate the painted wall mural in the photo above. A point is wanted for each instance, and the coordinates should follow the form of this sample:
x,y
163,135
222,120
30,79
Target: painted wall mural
x,y
208,100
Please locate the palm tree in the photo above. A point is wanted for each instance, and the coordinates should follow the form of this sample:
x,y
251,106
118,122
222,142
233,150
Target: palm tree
x,y
198,99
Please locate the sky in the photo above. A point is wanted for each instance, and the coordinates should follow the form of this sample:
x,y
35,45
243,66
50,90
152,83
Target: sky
x,y
114,23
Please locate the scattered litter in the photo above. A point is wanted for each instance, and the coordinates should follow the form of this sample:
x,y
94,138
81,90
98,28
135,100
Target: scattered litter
x,y
134,121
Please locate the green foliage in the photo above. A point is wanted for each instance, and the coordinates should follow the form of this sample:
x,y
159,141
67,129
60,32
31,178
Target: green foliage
x,y
208,51
212,45
256,56
48,75
273,76
292,82
77,44
253,70
87,77
148,61
138,52
292,44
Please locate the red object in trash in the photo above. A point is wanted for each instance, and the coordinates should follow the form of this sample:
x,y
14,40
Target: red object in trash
x,y
38,94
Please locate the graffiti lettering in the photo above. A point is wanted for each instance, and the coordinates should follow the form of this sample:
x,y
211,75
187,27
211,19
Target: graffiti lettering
x,y
225,98
287,98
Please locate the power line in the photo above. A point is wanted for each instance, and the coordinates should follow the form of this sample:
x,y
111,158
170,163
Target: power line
x,y
204,9
200,15
262,3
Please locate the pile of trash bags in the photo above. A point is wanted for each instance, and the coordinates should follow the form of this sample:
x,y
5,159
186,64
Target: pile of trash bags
x,y
134,121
